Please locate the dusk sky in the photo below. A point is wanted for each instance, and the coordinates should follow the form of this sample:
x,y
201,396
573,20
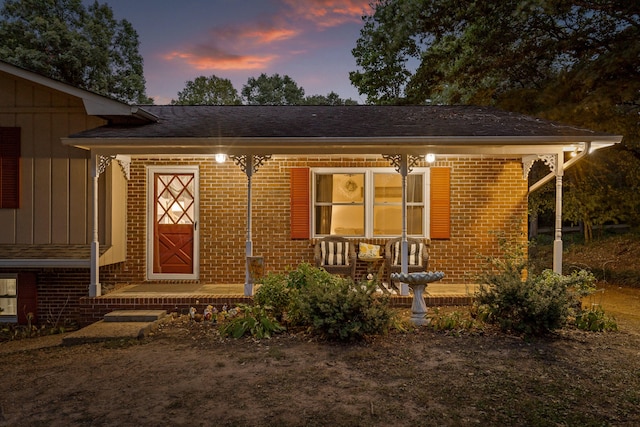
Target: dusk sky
x,y
308,40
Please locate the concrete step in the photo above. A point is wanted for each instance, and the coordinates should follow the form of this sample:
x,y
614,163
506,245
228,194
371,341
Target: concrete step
x,y
106,331
134,315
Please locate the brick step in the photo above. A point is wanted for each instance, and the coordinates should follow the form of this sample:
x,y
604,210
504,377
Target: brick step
x,y
134,315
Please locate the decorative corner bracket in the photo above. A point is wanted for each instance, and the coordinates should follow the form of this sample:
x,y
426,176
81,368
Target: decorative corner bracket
x,y
249,164
124,161
527,162
398,162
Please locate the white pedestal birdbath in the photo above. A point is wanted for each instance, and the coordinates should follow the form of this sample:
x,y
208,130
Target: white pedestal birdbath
x,y
418,282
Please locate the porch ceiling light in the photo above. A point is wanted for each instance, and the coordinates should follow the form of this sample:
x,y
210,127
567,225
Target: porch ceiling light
x,y
575,149
430,158
221,158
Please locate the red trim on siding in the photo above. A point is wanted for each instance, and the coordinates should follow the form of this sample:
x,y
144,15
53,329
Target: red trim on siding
x,y
27,297
9,167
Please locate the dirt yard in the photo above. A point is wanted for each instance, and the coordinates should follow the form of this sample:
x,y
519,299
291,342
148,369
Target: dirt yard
x,y
186,375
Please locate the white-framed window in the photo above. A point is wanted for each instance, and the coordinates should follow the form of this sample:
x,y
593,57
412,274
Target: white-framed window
x,y
8,298
367,203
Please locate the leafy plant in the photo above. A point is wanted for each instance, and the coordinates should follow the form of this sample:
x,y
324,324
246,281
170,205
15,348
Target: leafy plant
x,y
274,292
533,305
595,320
251,320
454,321
281,291
326,304
343,310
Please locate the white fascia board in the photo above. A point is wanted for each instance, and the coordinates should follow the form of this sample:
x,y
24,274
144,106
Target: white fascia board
x,y
356,146
94,104
99,106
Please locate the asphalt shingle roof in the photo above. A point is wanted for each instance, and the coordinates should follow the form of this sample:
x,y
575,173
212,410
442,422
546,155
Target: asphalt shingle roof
x,y
334,122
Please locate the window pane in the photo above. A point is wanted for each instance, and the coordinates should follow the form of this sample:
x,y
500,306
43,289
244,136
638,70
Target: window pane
x,y
387,220
8,299
348,188
340,188
8,287
8,306
324,188
414,220
340,219
414,188
388,188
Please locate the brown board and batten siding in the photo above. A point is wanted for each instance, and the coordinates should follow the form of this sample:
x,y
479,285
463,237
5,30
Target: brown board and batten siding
x,y
54,179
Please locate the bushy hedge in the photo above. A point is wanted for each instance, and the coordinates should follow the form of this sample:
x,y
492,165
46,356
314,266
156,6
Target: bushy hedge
x,y
524,302
330,306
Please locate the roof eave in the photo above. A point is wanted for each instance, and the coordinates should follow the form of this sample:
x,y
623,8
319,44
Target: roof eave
x,y
490,145
94,104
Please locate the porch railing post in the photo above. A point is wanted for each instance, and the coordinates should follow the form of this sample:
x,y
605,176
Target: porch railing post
x,y
248,283
95,290
557,243
404,168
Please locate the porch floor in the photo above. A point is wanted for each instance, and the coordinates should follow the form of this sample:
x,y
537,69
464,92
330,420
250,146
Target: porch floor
x,y
180,297
167,290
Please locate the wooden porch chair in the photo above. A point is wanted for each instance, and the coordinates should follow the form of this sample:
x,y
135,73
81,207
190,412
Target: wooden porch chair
x,y
337,255
418,256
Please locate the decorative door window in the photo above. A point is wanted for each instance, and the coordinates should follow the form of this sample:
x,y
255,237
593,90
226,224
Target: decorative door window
x,y
174,218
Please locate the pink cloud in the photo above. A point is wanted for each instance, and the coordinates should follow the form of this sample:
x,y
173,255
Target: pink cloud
x,y
257,45
215,60
256,33
330,13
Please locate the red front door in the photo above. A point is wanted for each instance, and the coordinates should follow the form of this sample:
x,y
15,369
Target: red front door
x,y
174,226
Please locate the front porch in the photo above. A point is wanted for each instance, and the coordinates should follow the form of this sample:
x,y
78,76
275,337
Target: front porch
x,y
180,297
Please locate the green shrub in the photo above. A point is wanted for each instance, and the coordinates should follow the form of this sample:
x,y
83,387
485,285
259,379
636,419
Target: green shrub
x,y
274,293
326,304
343,310
306,274
281,291
595,320
533,306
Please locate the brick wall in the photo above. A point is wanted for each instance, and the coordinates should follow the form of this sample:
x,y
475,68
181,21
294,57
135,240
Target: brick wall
x,y
58,293
487,196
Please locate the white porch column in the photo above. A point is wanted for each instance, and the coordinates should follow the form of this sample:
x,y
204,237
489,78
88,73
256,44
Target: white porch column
x,y
249,163
248,284
404,167
557,242
95,289
403,164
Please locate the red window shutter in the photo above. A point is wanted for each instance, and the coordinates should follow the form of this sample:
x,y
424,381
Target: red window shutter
x,y
27,297
9,167
300,203
440,203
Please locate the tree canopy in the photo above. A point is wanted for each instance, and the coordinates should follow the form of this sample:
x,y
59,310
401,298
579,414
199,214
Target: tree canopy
x,y
264,90
331,98
574,61
82,46
571,60
272,90
208,91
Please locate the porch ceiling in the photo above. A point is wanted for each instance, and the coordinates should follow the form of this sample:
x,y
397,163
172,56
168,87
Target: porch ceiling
x,y
414,130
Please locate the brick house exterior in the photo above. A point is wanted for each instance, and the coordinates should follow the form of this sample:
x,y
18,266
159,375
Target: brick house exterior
x,y
482,204
73,248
